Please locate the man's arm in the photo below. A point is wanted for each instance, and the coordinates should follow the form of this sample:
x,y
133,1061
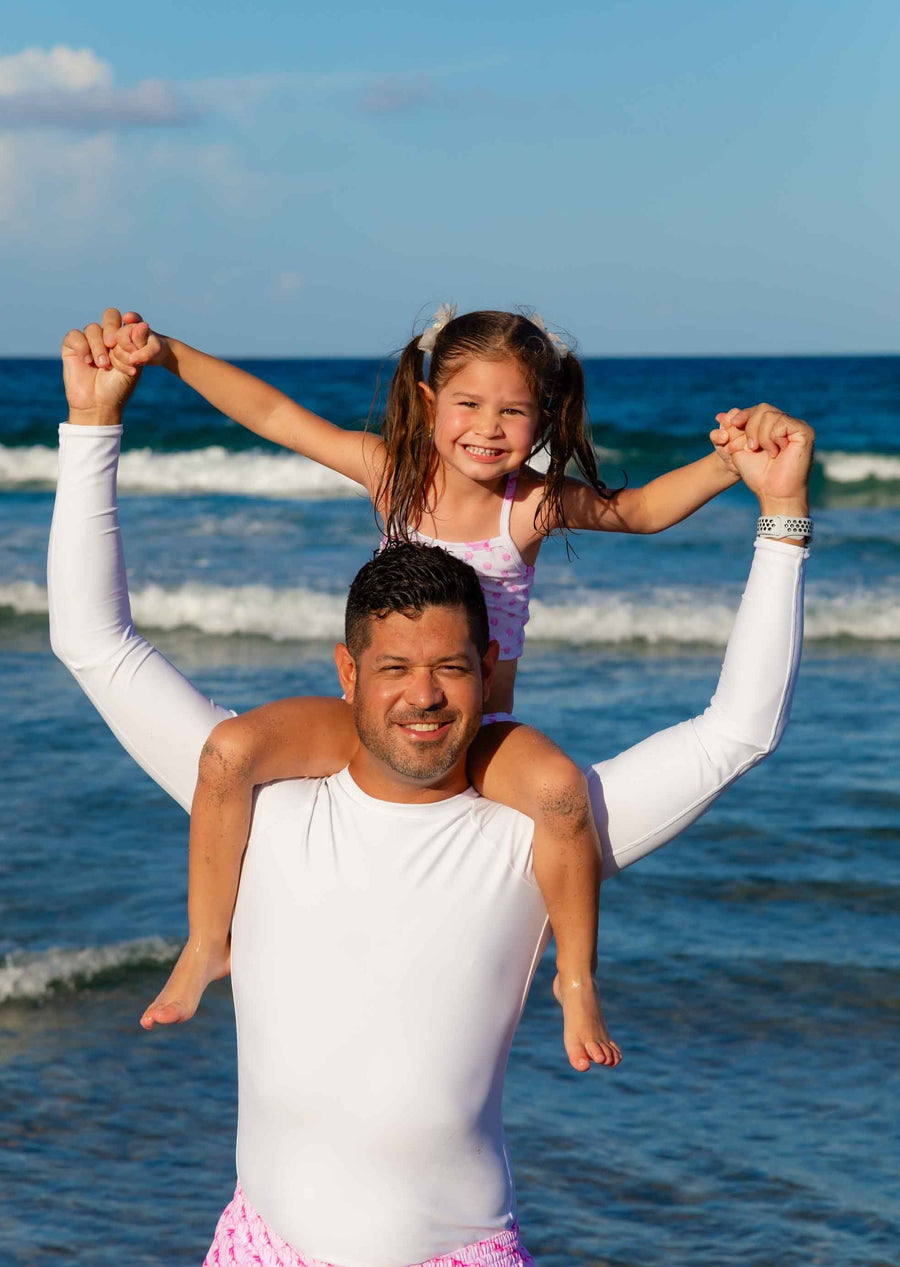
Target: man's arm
x,y
159,717
647,795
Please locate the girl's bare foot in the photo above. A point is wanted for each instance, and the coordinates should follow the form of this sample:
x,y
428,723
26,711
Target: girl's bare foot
x,y
189,978
585,1035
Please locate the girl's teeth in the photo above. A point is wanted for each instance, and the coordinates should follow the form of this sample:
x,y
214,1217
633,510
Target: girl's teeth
x,y
488,453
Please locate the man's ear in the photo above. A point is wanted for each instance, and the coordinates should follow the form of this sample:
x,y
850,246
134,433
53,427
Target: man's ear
x,y
346,669
488,664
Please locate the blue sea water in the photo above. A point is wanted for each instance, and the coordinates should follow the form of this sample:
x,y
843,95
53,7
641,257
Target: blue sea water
x,y
751,970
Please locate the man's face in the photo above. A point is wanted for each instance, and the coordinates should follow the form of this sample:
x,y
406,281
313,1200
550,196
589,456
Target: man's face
x,y
417,693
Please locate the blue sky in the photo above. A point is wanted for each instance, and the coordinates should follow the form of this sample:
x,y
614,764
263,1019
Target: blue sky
x,y
689,177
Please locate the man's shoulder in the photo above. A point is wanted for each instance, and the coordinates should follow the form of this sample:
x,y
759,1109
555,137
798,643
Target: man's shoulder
x,y
494,817
271,799
508,831
489,818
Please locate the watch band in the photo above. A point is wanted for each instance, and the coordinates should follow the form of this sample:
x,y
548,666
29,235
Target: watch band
x,y
795,527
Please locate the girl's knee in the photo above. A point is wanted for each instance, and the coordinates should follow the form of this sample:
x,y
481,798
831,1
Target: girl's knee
x,y
561,790
562,793
229,751
521,767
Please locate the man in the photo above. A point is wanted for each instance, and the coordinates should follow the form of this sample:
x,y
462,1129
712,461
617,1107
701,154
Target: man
x,y
371,1078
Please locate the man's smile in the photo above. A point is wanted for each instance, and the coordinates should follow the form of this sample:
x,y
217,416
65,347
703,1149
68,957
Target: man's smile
x,y
426,729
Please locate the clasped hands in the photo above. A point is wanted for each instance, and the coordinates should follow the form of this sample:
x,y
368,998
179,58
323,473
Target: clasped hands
x,y
102,364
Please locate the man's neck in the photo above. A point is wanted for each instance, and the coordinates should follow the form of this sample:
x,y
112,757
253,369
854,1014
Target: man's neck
x,y
382,782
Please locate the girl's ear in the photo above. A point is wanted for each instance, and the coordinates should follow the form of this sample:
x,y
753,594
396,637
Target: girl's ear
x,y
428,397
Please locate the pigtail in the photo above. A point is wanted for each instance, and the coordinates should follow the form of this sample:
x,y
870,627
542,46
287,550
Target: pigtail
x,y
406,484
566,437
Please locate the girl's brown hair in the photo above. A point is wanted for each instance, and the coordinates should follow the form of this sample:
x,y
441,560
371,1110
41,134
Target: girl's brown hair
x,y
407,484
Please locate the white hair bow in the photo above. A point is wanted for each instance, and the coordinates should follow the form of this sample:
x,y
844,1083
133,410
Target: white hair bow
x,y
556,341
441,318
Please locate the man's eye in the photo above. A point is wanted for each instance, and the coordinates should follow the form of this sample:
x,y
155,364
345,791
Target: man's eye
x,y
456,668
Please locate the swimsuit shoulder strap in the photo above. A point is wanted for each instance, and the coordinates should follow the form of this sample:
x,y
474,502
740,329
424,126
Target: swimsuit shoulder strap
x,y
508,497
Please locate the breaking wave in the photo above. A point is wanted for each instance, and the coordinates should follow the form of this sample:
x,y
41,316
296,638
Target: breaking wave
x,y
657,617
860,468
212,470
255,473
34,976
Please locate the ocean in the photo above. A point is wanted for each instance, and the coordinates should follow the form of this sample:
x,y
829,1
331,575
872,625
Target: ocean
x,y
750,970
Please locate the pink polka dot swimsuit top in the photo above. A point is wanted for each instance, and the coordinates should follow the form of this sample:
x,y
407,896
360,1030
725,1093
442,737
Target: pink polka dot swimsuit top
x,y
506,579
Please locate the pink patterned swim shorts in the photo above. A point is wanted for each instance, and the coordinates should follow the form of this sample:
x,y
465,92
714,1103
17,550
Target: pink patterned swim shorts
x,y
242,1238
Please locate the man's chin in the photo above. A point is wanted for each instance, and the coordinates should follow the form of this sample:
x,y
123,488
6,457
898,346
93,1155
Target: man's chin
x,y
425,761
423,764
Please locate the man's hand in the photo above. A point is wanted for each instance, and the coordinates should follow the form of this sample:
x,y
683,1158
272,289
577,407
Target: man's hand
x,y
95,390
772,452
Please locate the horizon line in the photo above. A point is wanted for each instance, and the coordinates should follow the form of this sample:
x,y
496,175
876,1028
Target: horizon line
x,y
582,356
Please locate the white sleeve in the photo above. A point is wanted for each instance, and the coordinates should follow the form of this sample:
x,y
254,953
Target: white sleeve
x,y
154,712
651,792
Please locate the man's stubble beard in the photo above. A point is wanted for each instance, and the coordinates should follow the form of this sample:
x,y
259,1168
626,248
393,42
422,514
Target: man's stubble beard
x,y
424,764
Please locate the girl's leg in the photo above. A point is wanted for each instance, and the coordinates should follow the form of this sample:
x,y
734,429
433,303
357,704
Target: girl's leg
x,y
522,768
289,739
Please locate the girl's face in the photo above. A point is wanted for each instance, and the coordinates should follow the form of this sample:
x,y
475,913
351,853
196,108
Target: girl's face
x,y
485,419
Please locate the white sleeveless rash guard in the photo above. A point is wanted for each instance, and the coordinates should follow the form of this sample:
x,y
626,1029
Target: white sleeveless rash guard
x,y
381,952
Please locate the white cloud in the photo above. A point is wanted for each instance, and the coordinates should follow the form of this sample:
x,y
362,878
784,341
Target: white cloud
x,y
36,69
73,88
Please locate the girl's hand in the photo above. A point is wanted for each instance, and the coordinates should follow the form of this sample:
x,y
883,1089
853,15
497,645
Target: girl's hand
x,y
727,439
136,345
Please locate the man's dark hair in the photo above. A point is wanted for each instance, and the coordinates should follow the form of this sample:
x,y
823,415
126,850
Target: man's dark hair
x,y
408,578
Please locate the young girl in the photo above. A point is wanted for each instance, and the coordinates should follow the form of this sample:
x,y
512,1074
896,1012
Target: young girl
x,y
470,403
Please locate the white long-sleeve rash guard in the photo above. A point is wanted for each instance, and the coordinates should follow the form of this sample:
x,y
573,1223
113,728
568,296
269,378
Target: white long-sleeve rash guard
x,y
382,953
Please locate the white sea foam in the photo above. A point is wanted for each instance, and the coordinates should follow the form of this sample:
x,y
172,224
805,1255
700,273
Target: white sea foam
x,y
662,617
213,470
283,615
856,468
659,616
254,473
33,976
678,617
24,597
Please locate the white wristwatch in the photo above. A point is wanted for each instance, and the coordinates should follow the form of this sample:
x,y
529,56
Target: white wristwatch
x,y
792,526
